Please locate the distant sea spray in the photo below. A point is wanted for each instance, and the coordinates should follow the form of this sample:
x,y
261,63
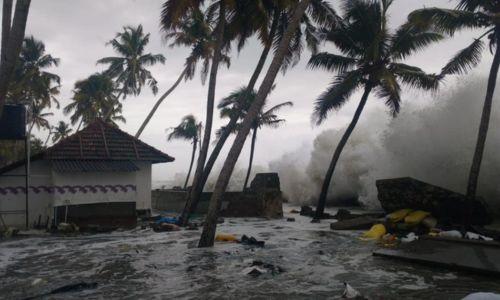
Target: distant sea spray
x,y
433,143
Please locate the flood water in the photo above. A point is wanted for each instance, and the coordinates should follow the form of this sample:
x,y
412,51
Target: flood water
x,y
142,264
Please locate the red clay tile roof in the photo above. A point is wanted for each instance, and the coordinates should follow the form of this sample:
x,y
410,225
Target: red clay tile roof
x,y
98,141
102,141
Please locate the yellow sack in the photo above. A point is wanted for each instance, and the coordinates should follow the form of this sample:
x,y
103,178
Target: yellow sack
x,y
416,217
375,233
399,215
226,238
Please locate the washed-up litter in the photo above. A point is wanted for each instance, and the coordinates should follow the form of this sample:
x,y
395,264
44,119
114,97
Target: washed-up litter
x,y
475,236
416,217
375,233
165,227
251,241
168,220
258,268
410,237
351,293
221,237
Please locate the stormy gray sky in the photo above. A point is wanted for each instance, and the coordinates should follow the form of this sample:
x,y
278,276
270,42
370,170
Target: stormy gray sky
x,y
76,31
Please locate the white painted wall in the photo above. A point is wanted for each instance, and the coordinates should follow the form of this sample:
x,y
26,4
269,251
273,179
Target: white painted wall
x,y
40,204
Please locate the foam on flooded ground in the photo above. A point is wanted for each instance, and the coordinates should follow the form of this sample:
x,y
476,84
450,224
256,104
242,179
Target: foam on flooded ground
x,y
144,264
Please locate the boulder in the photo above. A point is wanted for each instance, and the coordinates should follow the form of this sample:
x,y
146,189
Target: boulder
x,y
447,206
360,223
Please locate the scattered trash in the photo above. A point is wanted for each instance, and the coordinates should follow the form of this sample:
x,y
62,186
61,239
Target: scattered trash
x,y
258,268
451,234
398,215
375,233
168,220
475,236
409,238
351,293
482,296
414,218
294,211
430,222
165,227
290,219
226,238
251,241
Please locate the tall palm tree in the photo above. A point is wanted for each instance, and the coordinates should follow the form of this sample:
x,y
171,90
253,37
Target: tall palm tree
x,y
12,39
94,98
192,31
189,129
470,14
33,84
267,118
129,69
371,59
209,228
269,20
61,131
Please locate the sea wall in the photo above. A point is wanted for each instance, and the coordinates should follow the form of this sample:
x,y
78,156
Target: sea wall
x,y
263,199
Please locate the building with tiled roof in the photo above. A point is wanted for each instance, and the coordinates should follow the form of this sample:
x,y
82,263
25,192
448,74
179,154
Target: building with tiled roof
x,y
100,174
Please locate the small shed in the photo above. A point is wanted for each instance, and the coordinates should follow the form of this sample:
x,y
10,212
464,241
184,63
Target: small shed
x,y
99,175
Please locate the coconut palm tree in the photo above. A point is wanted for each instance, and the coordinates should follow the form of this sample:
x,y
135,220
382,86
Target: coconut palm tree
x,y
194,32
94,98
33,84
37,118
129,69
470,14
12,39
61,131
267,19
189,129
209,228
267,118
370,59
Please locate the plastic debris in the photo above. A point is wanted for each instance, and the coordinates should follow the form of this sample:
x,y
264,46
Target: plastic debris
x,y
226,238
475,236
251,241
416,217
451,234
398,215
409,238
350,292
168,220
375,233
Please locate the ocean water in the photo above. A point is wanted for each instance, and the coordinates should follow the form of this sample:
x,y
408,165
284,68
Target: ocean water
x,y
142,264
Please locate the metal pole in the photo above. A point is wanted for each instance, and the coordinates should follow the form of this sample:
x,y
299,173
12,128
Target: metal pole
x,y
27,150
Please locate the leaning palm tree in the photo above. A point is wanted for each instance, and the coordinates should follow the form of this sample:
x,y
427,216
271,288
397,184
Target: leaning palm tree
x,y
470,14
129,69
268,20
189,129
208,235
192,31
231,105
93,99
371,59
61,131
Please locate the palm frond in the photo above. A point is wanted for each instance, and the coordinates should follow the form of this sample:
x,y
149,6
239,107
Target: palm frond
x,y
390,90
448,20
331,62
336,95
465,60
415,77
409,39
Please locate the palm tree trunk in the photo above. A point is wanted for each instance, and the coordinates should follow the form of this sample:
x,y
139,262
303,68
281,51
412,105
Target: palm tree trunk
x,y
79,125
195,143
210,226
47,140
157,104
210,111
198,185
250,162
12,47
6,24
320,209
111,109
483,129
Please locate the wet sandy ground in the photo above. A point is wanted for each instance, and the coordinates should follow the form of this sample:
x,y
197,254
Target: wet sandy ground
x,y
142,264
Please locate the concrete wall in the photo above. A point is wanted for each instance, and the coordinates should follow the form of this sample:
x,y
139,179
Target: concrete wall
x,y
143,183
